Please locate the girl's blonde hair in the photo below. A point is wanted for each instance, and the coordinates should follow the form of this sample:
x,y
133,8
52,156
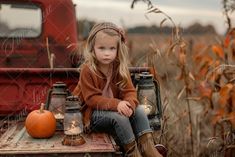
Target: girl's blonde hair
x,y
122,52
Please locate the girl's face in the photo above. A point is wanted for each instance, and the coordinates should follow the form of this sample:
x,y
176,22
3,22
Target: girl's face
x,y
105,48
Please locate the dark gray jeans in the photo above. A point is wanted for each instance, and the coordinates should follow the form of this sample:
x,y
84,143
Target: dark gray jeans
x,y
126,129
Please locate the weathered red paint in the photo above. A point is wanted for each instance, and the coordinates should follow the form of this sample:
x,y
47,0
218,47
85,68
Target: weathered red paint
x,y
58,26
23,89
25,74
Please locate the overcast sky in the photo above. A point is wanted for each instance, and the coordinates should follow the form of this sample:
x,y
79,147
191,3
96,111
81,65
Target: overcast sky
x,y
183,12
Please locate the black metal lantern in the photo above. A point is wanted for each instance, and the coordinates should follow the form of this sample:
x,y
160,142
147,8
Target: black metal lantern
x,y
59,87
56,100
148,92
73,125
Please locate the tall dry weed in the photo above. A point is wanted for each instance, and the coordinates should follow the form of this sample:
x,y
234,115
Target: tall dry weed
x,y
197,91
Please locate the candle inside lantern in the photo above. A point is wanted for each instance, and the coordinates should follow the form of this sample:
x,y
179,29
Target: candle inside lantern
x,y
145,100
59,116
147,107
73,130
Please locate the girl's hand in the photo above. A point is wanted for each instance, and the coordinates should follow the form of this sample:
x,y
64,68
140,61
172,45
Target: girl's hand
x,y
124,108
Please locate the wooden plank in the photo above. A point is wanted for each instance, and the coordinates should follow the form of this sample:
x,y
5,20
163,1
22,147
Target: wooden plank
x,y
18,136
5,137
18,141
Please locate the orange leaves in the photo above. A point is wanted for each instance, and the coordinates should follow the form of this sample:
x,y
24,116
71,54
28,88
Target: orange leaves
x,y
227,40
231,118
229,37
218,116
216,73
233,51
205,68
182,55
232,93
205,90
203,58
225,94
227,104
203,61
218,50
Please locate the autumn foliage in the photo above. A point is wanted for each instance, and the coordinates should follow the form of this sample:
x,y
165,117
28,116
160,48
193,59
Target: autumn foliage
x,y
207,75
202,75
219,70
214,73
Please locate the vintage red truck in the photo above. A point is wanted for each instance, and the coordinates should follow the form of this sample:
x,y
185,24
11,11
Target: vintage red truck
x,y
39,47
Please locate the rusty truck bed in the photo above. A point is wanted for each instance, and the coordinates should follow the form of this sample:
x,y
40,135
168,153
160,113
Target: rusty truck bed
x,y
22,90
17,142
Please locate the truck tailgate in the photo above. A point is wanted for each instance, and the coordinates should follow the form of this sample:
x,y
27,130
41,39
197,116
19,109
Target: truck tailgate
x,y
17,142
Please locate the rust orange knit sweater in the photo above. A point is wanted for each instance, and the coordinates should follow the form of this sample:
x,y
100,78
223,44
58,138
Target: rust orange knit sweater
x,y
89,89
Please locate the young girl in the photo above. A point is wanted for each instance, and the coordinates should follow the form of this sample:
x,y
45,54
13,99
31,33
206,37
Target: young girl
x,y
110,98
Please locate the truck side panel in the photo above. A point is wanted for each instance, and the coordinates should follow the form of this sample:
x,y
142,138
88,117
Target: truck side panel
x,y
23,89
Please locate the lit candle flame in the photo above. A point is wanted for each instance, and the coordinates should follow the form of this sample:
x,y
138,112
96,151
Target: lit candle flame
x,y
73,124
145,100
73,130
59,116
147,107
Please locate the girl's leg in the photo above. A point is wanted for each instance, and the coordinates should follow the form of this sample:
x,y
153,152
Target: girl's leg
x,y
109,122
142,130
139,122
114,123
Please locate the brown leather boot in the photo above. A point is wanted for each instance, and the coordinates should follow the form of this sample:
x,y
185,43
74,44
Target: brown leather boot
x,y
146,146
131,150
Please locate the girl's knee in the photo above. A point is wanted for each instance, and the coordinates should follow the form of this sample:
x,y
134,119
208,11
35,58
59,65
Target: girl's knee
x,y
139,113
140,110
120,119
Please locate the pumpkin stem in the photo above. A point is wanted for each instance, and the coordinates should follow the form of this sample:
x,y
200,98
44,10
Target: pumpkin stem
x,y
42,107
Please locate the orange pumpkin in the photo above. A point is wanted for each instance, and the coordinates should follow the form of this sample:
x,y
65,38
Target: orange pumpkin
x,y
40,123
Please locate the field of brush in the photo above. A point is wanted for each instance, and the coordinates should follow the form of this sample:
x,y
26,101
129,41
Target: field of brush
x,y
191,96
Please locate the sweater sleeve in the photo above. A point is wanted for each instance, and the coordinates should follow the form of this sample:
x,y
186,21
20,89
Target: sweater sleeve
x,y
129,94
93,95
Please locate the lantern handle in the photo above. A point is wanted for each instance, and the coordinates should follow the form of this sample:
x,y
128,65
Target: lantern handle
x,y
158,97
48,101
